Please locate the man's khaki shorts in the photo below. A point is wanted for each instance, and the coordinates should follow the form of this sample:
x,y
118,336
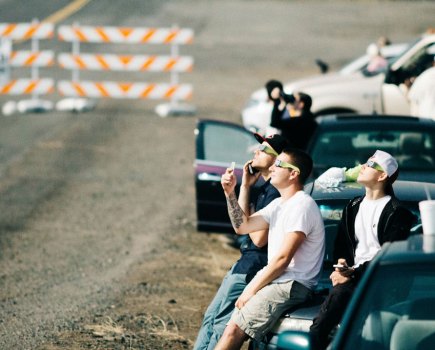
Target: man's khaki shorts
x,y
261,312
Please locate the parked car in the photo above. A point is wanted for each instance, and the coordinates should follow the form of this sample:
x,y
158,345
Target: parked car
x,y
349,140
353,92
392,308
339,141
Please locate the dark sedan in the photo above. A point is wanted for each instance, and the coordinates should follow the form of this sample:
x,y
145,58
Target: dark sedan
x,y
338,142
349,140
391,308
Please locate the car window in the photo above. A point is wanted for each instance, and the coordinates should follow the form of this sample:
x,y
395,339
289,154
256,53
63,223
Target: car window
x,y
395,292
224,143
414,150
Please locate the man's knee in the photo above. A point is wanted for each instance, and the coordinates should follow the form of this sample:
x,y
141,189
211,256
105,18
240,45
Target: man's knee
x,y
232,330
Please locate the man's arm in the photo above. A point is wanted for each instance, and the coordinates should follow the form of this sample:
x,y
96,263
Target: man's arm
x,y
274,268
259,238
241,222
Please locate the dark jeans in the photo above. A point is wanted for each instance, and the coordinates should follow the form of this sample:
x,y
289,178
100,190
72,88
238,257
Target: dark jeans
x,y
330,314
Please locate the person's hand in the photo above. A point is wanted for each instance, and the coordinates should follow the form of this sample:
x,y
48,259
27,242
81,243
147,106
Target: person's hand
x,y
338,278
244,298
247,179
228,181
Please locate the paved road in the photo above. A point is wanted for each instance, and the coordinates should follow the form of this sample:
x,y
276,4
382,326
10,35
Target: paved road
x,y
77,191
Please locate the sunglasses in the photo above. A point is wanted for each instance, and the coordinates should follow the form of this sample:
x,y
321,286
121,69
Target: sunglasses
x,y
281,164
372,164
267,149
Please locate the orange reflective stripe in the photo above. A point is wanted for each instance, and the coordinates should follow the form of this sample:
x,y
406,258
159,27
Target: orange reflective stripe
x,y
102,89
31,59
147,91
148,35
171,63
30,87
125,31
171,91
80,35
171,36
79,89
31,31
148,63
79,61
9,29
125,86
102,34
101,60
125,59
8,87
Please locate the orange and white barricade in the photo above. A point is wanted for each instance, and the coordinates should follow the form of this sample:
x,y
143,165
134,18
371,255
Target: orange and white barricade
x,y
33,59
173,64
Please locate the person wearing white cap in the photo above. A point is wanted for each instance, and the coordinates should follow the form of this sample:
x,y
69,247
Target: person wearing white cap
x,y
367,223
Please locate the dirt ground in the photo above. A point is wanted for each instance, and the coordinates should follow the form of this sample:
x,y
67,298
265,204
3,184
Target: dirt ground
x,y
98,240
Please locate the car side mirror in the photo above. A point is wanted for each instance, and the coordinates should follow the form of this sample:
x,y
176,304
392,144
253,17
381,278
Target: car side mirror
x,y
294,340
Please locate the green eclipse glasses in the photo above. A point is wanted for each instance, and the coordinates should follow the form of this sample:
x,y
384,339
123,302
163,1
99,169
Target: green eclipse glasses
x,y
282,164
267,149
372,164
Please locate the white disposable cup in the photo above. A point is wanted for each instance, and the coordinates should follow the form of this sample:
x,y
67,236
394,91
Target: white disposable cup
x,y
427,214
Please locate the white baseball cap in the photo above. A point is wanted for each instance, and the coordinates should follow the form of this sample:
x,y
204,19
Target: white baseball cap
x,y
386,161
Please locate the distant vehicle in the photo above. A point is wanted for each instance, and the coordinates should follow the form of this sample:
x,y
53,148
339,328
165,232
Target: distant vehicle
x,y
349,140
256,114
392,308
353,92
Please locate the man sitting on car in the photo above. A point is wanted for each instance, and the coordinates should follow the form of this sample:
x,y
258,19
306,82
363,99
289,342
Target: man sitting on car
x,y
253,247
296,245
367,223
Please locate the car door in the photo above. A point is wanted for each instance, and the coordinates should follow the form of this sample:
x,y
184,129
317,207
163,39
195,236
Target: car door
x,y
218,143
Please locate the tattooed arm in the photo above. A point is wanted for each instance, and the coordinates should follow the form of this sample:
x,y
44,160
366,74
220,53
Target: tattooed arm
x,y
242,223
235,211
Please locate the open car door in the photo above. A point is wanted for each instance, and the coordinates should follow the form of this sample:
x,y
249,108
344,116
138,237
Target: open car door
x,y
218,144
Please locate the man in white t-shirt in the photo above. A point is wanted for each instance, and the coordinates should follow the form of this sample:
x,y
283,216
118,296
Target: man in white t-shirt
x,y
367,223
295,252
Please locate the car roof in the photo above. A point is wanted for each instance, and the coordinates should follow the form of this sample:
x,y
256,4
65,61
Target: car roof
x,y
379,119
404,190
417,249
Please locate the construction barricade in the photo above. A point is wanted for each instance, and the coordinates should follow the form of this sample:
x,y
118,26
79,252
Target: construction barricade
x,y
32,59
78,90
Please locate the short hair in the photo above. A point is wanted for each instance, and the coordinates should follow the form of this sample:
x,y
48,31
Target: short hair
x,y
306,99
272,84
302,160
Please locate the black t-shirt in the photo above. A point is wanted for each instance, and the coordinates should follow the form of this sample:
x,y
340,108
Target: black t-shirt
x,y
297,130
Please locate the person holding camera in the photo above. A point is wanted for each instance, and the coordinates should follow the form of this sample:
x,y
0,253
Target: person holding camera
x,y
291,114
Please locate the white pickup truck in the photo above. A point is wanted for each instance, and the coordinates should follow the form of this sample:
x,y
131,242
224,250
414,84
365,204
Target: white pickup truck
x,y
353,91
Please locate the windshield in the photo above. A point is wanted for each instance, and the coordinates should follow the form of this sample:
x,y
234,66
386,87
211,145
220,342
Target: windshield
x,y
414,150
395,294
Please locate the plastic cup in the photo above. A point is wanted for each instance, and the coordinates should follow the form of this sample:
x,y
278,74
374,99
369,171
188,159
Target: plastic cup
x,y
427,214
